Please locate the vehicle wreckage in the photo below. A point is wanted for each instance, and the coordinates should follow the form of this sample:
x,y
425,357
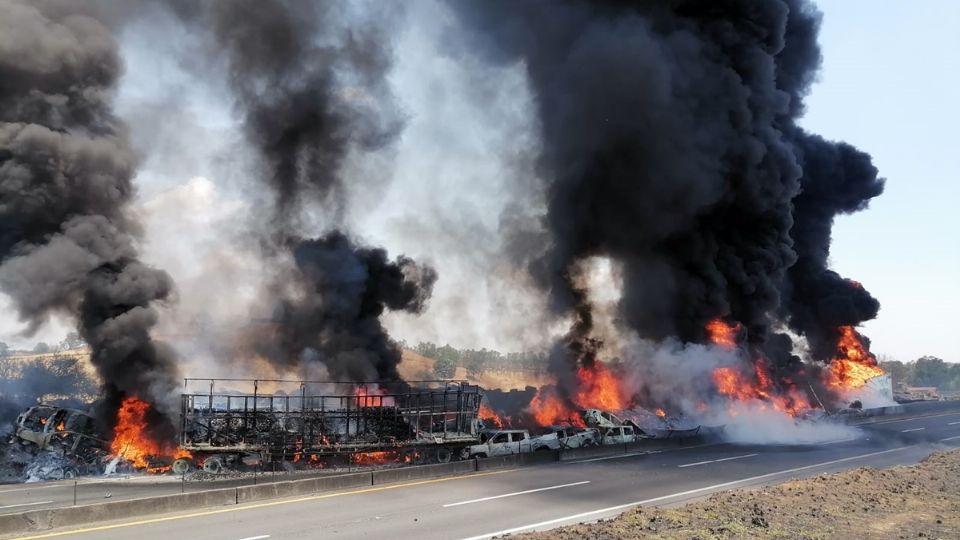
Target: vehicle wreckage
x,y
317,424
249,424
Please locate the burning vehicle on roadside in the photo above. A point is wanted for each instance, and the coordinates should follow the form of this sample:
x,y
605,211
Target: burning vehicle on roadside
x,y
320,424
53,443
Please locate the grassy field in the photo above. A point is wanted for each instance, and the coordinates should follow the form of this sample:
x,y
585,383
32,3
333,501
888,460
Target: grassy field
x,y
918,501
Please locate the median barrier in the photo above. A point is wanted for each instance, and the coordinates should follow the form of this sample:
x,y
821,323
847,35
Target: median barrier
x,y
499,462
403,474
39,520
592,452
292,488
539,457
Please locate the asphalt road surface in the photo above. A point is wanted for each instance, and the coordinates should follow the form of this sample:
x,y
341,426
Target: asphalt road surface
x,y
483,505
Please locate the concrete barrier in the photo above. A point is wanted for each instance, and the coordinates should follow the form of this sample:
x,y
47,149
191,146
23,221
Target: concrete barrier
x,y
540,457
592,452
39,520
499,462
294,488
404,474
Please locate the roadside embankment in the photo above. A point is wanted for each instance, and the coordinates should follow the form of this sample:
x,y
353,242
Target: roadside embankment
x,y
917,501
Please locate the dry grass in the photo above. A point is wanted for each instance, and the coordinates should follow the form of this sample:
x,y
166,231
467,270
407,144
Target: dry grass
x,y
918,501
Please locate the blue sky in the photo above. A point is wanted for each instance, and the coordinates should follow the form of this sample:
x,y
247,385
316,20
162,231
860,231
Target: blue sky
x,y
889,85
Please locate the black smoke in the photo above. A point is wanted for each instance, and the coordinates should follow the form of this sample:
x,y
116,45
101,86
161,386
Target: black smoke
x,y
336,320
310,81
67,239
670,144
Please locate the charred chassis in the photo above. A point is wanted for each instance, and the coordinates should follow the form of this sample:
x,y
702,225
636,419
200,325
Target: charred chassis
x,y
313,420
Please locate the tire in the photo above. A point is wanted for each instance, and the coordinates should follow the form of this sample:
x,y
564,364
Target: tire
x,y
481,455
181,466
444,455
213,465
542,449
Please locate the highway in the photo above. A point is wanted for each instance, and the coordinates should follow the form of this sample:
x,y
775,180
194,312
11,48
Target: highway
x,y
492,503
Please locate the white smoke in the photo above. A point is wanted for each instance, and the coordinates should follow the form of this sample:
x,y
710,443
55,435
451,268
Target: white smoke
x,y
755,422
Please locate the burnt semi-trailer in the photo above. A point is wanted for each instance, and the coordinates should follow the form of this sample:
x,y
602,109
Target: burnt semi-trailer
x,y
325,423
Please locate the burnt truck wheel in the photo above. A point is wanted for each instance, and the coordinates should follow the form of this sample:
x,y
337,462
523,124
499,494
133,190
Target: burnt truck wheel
x,y
181,466
444,455
213,465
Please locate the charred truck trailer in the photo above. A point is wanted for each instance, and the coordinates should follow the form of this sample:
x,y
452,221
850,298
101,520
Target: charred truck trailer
x,y
325,423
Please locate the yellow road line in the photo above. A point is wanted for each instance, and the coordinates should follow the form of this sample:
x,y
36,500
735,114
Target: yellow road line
x,y
239,508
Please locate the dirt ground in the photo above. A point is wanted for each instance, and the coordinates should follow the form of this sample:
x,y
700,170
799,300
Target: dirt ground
x,y
918,501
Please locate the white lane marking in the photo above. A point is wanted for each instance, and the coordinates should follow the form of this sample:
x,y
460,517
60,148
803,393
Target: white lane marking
x,y
952,423
912,429
835,441
694,464
736,457
261,537
514,494
620,456
25,504
715,460
950,438
911,418
681,494
30,488
645,452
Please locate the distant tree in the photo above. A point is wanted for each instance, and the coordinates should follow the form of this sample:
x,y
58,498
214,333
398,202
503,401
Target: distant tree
x,y
448,353
41,348
932,371
426,348
444,368
4,350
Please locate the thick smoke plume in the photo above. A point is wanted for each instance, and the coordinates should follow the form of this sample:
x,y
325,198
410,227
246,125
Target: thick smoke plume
x,y
67,241
309,80
670,145
337,319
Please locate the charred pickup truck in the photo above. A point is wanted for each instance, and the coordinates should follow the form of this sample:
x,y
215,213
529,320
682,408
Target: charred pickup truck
x,y
501,442
567,437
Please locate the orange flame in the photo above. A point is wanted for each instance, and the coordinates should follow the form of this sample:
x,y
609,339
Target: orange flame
x,y
131,441
372,397
62,426
854,365
660,412
723,334
486,413
548,409
600,389
374,458
739,387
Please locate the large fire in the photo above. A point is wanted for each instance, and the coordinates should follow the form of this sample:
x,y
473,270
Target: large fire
x,y
723,334
760,388
598,388
854,365
549,409
486,413
757,386
132,442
